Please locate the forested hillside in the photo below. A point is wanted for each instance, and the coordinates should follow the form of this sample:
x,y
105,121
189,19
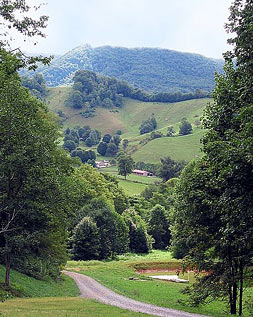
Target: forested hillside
x,y
151,69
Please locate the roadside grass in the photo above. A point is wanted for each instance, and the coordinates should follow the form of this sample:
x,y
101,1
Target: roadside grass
x,y
27,286
60,307
116,274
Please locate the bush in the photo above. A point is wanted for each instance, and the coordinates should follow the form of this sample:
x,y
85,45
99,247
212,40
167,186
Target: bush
x,y
85,240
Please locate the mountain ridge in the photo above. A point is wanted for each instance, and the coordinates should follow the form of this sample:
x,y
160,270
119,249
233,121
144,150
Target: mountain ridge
x,y
150,69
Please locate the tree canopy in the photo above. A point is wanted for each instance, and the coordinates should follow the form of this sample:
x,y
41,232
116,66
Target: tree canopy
x,y
213,213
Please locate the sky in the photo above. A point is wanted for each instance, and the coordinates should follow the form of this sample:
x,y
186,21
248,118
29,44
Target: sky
x,y
195,26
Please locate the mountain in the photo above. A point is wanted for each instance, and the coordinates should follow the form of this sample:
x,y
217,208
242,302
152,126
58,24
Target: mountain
x,y
150,69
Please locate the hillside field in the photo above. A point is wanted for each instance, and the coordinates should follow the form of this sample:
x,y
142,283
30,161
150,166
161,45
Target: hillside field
x,y
129,118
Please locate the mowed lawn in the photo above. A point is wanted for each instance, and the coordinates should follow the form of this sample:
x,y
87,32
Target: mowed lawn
x,y
60,307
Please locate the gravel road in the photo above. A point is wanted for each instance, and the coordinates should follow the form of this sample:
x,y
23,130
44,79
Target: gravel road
x,y
92,289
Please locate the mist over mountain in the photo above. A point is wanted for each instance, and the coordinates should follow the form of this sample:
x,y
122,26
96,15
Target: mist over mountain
x,y
151,69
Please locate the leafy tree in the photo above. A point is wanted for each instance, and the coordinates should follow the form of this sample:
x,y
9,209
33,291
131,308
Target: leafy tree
x,y
69,145
102,147
107,138
219,188
140,241
112,230
33,175
125,144
171,131
15,15
116,140
88,142
85,240
148,125
112,149
185,127
170,168
158,227
125,165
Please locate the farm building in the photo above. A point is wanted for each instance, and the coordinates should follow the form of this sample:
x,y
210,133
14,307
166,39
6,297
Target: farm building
x,y
142,173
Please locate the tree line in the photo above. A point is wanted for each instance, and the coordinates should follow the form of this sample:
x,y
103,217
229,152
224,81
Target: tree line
x,y
91,90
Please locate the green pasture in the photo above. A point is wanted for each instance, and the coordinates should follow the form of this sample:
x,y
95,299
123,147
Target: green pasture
x,y
185,147
134,184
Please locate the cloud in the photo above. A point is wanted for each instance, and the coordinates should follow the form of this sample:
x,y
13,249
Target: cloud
x,y
186,25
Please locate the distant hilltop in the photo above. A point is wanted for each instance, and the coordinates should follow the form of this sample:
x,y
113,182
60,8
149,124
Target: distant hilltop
x,y
151,69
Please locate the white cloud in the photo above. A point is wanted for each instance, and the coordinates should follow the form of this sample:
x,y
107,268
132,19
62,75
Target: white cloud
x,y
187,25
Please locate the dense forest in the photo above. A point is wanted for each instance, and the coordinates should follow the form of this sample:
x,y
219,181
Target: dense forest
x,y
150,69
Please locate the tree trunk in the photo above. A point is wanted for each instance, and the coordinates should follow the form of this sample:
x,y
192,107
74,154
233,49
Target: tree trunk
x,y
241,288
7,269
234,298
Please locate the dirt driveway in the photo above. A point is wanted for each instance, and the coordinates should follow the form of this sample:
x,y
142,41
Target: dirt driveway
x,y
92,289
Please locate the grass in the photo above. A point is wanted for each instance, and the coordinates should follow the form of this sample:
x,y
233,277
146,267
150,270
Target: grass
x,y
60,307
134,184
29,287
128,119
115,275
178,148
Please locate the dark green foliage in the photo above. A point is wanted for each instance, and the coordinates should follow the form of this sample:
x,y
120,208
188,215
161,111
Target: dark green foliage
x,y
125,144
213,216
112,149
167,71
158,227
152,168
140,241
34,205
185,127
36,85
171,131
107,138
84,156
73,137
148,125
92,90
85,240
112,229
118,132
169,168
109,145
125,165
156,135
69,145
102,147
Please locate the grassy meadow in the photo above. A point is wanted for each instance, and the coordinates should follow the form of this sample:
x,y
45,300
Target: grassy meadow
x,y
129,118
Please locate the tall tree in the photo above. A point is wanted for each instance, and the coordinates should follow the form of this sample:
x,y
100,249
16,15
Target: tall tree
x,y
220,187
32,171
125,165
17,15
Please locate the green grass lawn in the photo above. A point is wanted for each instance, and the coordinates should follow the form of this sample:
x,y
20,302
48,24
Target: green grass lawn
x,y
60,307
115,275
